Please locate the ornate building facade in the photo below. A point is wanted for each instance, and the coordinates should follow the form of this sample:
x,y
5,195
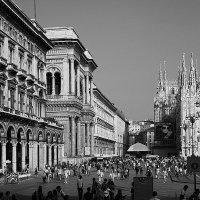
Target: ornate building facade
x,y
177,102
69,90
105,130
27,138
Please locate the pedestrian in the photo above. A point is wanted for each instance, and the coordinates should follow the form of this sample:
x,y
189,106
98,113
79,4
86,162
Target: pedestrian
x,y
155,196
60,194
1,196
119,195
132,191
49,196
183,192
80,187
14,197
88,195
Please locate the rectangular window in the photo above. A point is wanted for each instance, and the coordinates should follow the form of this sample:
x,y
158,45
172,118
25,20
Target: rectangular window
x,y
12,98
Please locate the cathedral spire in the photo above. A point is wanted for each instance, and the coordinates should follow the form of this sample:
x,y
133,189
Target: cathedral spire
x,y
160,81
183,72
165,72
192,74
196,72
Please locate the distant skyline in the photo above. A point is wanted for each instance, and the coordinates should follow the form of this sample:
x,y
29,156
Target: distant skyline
x,y
127,39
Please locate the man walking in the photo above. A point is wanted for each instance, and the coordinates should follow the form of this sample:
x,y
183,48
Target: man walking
x,y
80,187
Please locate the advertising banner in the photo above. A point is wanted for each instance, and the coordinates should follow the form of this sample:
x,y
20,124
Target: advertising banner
x,y
164,131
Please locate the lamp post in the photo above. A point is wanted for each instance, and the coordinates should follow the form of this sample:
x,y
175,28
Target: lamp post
x,y
192,119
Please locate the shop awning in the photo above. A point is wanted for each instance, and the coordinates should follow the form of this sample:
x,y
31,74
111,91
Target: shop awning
x,y
138,147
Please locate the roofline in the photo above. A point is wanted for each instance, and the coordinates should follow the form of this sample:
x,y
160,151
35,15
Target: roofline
x,y
97,91
27,21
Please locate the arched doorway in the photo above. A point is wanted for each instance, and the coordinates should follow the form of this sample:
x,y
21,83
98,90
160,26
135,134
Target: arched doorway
x,y
49,83
19,151
9,148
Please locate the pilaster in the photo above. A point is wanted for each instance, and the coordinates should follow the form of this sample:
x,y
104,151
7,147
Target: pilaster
x,y
72,76
23,154
73,137
88,134
87,89
78,80
50,156
55,154
78,138
14,155
92,140
3,154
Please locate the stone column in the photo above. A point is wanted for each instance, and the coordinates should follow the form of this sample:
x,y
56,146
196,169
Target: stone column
x,y
92,140
45,154
14,155
79,138
55,155
91,92
78,80
73,136
83,139
23,154
72,76
87,89
3,154
31,156
88,134
50,162
83,84
53,84
35,155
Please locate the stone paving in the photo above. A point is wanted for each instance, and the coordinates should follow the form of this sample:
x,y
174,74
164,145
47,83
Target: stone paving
x,y
167,191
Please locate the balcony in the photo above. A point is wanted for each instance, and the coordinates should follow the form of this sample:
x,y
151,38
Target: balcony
x,y
22,74
12,68
3,63
30,79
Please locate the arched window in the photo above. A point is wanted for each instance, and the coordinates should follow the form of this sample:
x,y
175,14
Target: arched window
x,y
57,83
49,83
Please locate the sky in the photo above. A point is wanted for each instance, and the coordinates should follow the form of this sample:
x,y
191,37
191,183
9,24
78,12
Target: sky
x,y
127,39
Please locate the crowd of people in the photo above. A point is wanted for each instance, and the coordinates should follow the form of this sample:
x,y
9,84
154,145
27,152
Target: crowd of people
x,y
116,168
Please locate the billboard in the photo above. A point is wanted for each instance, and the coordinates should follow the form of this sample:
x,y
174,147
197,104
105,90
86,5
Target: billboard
x,y
164,131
